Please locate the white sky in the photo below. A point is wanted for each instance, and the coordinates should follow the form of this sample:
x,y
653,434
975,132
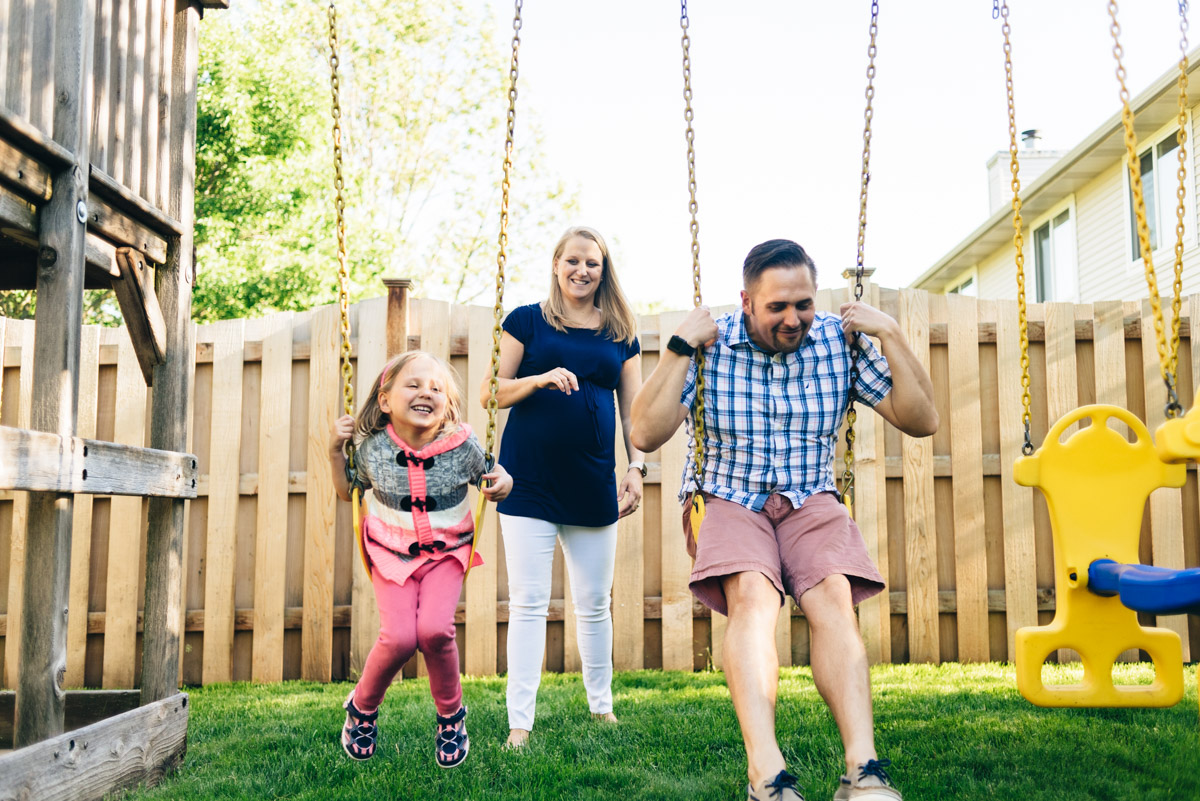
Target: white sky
x,y
779,112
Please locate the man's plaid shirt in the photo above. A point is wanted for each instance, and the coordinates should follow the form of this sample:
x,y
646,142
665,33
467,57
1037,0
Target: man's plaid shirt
x,y
771,421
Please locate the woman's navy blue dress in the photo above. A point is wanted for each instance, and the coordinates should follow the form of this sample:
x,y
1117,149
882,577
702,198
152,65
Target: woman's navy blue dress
x,y
559,447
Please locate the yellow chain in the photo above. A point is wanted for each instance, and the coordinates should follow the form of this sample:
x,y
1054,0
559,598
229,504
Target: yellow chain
x,y
340,204
1180,191
501,256
1167,354
1018,238
698,408
864,181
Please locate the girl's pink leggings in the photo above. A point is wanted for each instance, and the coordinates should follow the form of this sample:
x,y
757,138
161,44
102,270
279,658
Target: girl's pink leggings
x,y
419,614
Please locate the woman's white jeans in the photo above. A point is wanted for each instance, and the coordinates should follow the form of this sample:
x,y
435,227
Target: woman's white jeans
x,y
590,554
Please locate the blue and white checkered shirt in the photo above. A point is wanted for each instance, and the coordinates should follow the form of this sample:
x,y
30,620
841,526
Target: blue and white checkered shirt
x,y
771,420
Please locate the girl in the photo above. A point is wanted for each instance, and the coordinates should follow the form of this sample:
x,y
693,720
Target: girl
x,y
561,362
417,456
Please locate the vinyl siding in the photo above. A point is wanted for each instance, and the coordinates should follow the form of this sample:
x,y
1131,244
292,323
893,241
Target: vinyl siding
x,y
1103,246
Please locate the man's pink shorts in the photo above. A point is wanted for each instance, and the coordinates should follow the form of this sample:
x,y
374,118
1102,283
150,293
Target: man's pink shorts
x,y
795,548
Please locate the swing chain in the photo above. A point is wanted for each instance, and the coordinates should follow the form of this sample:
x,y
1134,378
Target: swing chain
x,y
995,9
688,115
864,183
1018,237
501,256
1168,351
1173,408
339,185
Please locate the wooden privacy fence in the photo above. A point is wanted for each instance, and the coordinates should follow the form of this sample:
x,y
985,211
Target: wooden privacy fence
x,y
273,586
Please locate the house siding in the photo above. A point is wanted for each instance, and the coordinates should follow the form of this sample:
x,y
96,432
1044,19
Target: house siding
x,y
1103,246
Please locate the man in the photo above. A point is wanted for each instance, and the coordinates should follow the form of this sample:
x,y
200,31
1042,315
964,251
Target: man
x,y
776,386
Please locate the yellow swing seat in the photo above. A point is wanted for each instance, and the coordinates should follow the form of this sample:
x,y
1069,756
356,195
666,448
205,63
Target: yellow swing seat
x,y
1096,485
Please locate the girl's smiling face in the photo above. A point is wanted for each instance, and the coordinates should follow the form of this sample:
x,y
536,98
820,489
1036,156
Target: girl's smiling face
x,y
415,403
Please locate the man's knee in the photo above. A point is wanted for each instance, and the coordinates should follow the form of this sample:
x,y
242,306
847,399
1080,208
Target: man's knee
x,y
830,601
750,594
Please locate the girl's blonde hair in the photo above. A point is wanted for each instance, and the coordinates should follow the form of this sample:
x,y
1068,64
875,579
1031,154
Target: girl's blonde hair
x,y
616,318
371,418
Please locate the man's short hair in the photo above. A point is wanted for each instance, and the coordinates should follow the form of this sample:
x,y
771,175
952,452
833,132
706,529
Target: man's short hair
x,y
775,253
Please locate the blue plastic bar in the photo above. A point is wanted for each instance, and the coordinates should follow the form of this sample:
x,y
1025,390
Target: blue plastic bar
x,y
1145,588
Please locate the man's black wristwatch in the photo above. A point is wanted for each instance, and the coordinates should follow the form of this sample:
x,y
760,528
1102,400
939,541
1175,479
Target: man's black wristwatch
x,y
677,344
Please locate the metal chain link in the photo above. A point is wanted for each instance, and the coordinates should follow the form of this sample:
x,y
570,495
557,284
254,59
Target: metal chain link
x,y
1174,409
864,182
698,413
339,186
502,256
1165,355
1018,237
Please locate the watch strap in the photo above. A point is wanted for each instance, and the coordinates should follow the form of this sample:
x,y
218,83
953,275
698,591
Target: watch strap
x,y
677,344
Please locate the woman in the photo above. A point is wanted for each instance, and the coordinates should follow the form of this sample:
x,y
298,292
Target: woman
x,y
560,362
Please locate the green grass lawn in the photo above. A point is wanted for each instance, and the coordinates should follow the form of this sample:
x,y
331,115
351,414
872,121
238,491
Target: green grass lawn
x,y
952,732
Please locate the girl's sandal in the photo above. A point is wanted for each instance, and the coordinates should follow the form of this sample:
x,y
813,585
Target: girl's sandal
x,y
359,732
452,741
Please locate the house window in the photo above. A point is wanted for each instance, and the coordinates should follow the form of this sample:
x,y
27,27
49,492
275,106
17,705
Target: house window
x,y
1159,165
966,287
1054,259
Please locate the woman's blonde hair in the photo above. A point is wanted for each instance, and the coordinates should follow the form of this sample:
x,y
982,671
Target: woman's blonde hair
x,y
371,418
616,318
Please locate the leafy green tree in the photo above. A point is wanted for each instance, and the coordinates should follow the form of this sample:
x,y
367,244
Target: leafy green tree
x,y
423,99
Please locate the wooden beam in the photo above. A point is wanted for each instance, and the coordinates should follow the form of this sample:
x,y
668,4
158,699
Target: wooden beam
x,y
19,132
44,462
122,229
20,262
139,306
135,207
23,174
136,747
59,321
83,708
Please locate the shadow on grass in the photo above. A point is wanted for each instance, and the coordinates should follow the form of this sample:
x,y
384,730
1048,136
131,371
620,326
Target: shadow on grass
x,y
952,731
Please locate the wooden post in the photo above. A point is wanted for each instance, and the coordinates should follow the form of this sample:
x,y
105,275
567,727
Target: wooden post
x,y
173,378
61,245
397,314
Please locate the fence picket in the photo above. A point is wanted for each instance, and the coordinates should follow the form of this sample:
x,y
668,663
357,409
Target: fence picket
x,y
483,584
320,508
1020,570
870,514
270,532
223,472
81,523
20,332
372,356
920,532
628,577
676,566
970,546
125,531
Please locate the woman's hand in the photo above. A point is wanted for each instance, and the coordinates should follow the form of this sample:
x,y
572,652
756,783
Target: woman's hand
x,y
629,493
559,378
343,429
500,484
